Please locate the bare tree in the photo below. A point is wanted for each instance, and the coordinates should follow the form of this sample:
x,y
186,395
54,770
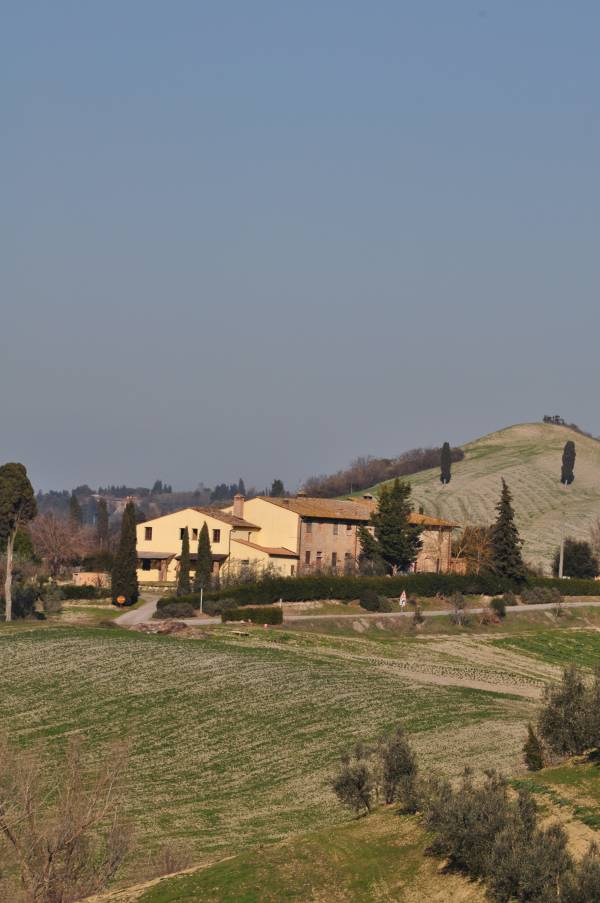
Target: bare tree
x,y
58,542
474,547
62,828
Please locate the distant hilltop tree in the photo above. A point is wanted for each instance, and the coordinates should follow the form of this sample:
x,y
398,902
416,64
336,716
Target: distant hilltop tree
x,y
445,464
277,489
567,471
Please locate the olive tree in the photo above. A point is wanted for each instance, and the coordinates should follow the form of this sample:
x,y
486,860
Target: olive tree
x,y
17,508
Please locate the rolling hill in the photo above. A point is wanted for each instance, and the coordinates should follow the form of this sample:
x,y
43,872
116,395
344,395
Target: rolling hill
x,y
528,456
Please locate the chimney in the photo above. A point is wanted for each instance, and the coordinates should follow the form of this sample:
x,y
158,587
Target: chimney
x,y
238,505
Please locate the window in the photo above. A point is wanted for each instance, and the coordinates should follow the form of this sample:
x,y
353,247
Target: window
x,y
348,556
292,570
307,557
348,527
181,532
319,559
336,529
334,559
309,524
195,533
146,563
148,533
216,536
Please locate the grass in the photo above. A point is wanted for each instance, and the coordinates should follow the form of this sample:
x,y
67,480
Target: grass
x,y
233,739
558,647
369,859
528,456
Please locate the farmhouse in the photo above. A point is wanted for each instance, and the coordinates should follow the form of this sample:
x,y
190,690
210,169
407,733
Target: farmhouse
x,y
324,532
287,535
235,544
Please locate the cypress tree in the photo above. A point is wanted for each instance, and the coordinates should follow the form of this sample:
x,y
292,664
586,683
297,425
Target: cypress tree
x,y
533,751
203,561
102,524
506,544
567,471
445,464
124,573
183,578
75,516
397,539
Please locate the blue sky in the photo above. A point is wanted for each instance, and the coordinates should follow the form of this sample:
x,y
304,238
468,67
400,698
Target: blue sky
x,y
259,239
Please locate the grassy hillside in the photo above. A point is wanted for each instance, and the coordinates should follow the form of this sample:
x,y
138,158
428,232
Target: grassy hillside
x,y
528,456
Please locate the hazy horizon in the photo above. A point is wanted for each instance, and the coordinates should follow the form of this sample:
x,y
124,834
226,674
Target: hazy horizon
x,y
260,240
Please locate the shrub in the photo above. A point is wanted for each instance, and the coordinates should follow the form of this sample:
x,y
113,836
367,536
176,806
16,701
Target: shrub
x,y
533,751
579,560
52,600
541,595
498,606
370,600
582,884
568,720
174,609
354,785
510,598
459,614
24,599
399,771
255,615
418,616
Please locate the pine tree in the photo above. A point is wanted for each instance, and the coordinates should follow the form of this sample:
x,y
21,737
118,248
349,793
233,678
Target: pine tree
x,y
370,559
75,515
445,464
506,558
203,561
183,578
241,487
124,574
567,471
398,540
533,751
102,524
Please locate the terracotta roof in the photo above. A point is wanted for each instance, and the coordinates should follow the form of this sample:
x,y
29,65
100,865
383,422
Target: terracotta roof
x,y
277,552
346,509
226,518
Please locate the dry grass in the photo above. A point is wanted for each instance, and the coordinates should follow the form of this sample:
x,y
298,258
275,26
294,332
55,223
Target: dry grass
x,y
528,456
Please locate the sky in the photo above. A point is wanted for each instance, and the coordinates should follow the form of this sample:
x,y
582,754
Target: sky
x,y
259,239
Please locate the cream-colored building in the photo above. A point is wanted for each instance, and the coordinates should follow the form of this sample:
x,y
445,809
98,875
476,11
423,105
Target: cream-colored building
x,y
324,533
236,544
287,536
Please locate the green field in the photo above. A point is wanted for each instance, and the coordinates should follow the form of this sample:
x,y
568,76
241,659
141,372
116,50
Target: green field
x,y
233,739
528,456
558,647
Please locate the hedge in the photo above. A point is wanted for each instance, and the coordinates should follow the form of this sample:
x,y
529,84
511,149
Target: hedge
x,y
570,586
72,591
173,608
301,589
259,615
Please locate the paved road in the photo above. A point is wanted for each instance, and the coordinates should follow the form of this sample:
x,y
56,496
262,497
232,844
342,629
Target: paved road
x,y
146,610
139,615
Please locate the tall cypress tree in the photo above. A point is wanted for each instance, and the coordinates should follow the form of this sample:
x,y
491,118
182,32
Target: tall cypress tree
x,y
102,524
398,540
203,561
567,471
445,464
506,558
75,515
124,573
183,578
